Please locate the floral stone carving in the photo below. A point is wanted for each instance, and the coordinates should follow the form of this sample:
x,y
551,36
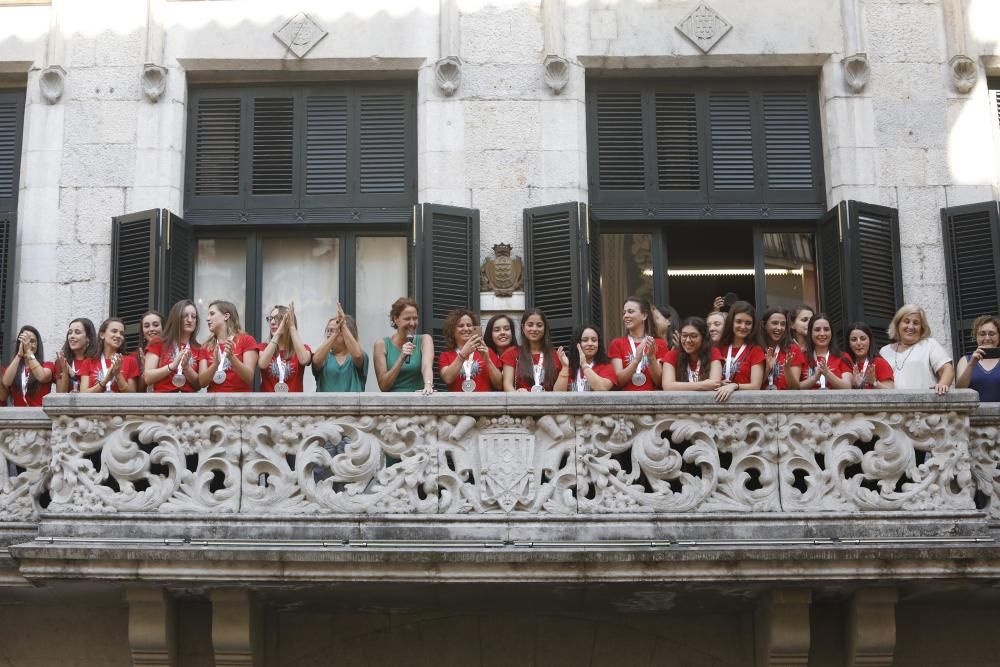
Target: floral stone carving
x,y
506,464
984,449
24,459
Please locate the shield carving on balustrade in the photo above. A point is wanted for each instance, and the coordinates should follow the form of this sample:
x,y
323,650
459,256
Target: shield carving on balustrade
x,y
506,468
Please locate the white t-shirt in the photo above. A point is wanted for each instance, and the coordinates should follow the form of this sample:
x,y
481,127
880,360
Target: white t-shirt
x,y
916,367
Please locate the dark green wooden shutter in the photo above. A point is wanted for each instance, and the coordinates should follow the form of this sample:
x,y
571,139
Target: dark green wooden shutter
x,y
326,146
620,141
178,262
874,266
382,143
272,163
11,129
450,247
678,158
592,241
789,145
972,255
134,248
8,238
215,151
556,269
831,266
731,132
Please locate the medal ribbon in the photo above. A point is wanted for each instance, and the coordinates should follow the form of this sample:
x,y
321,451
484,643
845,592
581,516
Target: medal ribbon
x,y
731,360
864,372
538,369
466,364
104,373
773,376
282,366
24,381
581,381
822,379
223,359
694,374
642,362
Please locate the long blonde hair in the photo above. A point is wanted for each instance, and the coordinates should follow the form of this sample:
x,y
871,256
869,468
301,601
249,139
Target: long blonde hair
x,y
285,340
232,324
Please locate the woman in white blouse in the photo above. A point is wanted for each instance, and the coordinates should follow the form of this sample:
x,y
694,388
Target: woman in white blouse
x,y
918,361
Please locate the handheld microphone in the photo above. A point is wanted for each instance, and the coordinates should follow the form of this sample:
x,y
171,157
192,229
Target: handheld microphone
x,y
409,339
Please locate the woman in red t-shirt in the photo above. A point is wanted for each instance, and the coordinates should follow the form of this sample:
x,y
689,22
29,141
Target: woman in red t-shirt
x,y
589,367
742,359
171,361
81,344
150,326
825,368
783,355
534,366
636,355
229,356
500,336
111,370
28,377
869,370
283,358
799,324
690,367
466,364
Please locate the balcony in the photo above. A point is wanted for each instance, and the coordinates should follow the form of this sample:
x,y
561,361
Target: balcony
x,y
779,492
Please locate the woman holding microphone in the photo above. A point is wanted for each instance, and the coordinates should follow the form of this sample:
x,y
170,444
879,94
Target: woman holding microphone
x,y
404,361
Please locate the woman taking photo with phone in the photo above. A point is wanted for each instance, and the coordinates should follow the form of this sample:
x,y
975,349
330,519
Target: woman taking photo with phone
x,y
229,356
500,336
742,359
589,367
339,364
80,345
27,379
535,365
404,361
172,359
918,361
283,358
111,370
467,364
690,367
868,370
782,355
825,368
636,355
979,370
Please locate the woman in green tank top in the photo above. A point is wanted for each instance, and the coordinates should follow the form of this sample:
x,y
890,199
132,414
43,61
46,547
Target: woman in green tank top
x,y
404,361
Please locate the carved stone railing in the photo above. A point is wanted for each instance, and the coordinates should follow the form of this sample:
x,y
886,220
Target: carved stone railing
x,y
327,454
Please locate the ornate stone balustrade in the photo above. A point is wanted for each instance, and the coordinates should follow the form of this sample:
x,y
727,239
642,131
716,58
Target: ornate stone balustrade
x,y
802,452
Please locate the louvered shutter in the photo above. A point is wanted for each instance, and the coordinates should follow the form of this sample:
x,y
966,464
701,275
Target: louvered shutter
x,y
620,141
11,117
554,275
8,237
593,255
874,267
215,156
326,149
178,261
272,161
790,144
731,135
134,248
450,248
384,132
832,274
972,255
678,158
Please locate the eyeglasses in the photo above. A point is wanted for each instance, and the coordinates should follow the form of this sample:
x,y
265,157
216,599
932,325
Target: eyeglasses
x,y
690,336
272,318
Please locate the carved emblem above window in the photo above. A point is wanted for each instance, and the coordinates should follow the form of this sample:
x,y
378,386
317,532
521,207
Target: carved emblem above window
x,y
502,274
704,27
300,34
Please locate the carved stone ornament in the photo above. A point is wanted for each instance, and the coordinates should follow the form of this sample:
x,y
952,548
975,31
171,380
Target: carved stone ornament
x,y
154,81
704,27
502,274
963,73
300,34
556,73
856,71
448,74
24,458
52,83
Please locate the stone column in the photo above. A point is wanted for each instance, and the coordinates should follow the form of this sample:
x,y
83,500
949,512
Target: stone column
x,y
151,634
782,628
871,627
236,628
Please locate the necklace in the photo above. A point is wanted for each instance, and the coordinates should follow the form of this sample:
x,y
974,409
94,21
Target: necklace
x,y
895,361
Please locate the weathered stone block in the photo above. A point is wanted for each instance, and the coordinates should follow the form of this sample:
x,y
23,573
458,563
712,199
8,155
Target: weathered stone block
x,y
98,165
502,125
101,122
503,168
74,263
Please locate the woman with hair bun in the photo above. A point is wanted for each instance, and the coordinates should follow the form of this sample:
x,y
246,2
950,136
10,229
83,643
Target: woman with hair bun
x,y
404,361
229,356
466,364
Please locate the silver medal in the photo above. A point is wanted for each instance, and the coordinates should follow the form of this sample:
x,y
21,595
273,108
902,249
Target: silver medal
x,y
178,381
219,377
537,387
639,379
468,385
281,387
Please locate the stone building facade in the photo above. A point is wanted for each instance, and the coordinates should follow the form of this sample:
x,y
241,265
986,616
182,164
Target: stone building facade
x,y
499,110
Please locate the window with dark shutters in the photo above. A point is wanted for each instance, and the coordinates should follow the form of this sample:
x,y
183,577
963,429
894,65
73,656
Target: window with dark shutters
x,y
709,142
830,241
8,234
326,145
271,160
555,280
216,140
972,254
11,130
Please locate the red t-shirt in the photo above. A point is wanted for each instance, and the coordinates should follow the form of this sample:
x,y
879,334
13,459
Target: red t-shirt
x,y
93,369
233,383
34,399
672,357
606,371
878,369
294,372
166,357
743,362
778,372
478,373
620,349
837,366
509,358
